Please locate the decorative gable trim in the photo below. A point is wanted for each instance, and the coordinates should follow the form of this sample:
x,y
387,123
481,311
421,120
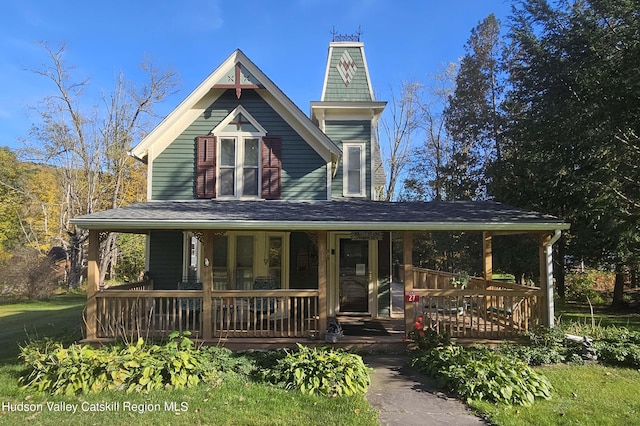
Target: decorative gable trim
x,y
232,115
206,93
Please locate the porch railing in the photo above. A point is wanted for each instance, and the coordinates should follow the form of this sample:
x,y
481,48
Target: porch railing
x,y
482,309
136,313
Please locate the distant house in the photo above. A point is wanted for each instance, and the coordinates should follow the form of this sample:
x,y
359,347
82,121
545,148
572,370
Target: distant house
x,y
264,222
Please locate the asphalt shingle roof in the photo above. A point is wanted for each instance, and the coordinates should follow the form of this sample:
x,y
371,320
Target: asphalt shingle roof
x,y
314,215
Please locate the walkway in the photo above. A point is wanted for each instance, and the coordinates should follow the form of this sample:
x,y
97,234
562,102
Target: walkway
x,y
405,397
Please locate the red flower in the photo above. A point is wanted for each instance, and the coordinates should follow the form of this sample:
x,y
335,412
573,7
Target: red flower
x,y
418,325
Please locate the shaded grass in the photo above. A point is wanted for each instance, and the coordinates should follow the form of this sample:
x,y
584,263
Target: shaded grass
x,y
60,318
584,395
602,316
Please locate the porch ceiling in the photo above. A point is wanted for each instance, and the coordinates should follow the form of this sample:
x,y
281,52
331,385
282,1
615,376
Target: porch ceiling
x,y
360,215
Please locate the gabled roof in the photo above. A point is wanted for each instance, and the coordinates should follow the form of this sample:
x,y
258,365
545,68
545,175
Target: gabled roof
x,y
344,215
236,67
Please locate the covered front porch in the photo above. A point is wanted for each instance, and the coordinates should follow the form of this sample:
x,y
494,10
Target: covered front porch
x,y
350,273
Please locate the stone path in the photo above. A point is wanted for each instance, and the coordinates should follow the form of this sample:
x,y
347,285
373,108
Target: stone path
x,y
405,397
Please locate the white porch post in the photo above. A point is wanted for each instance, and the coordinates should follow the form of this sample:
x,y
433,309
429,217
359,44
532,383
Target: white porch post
x,y
409,314
93,285
546,278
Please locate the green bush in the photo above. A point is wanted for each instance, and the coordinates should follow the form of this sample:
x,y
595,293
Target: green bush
x,y
320,371
133,368
426,337
580,288
482,374
544,346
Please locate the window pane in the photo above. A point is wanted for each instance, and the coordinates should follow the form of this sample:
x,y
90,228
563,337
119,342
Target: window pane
x,y
251,152
250,182
227,186
220,252
354,158
228,152
354,182
244,251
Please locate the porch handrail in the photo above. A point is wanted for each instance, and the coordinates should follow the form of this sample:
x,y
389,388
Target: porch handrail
x,y
140,285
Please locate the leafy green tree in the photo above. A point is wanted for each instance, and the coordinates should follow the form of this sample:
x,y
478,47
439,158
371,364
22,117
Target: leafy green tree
x,y
573,126
473,118
12,198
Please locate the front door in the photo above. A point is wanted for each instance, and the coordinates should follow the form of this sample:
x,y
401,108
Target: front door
x,y
354,275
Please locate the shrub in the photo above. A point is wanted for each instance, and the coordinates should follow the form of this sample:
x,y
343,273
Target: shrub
x,y
427,338
580,288
482,374
544,346
320,371
133,368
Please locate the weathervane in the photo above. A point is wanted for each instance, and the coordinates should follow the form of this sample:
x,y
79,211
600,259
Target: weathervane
x,y
345,37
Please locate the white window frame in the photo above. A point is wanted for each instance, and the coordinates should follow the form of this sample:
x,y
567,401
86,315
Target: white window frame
x,y
239,137
346,145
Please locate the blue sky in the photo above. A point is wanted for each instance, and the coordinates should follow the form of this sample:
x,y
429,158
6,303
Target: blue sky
x,y
288,39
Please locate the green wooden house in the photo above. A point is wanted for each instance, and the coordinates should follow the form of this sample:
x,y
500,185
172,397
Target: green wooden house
x,y
263,222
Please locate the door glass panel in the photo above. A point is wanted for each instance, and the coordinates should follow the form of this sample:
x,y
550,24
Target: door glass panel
x,y
275,259
244,262
354,275
220,262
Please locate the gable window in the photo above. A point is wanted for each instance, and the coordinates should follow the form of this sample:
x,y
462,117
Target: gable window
x,y
237,160
354,170
238,167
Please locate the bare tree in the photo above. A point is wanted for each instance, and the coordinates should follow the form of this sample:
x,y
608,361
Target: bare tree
x,y
88,146
426,178
405,116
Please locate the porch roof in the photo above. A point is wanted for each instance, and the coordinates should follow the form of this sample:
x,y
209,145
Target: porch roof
x,y
335,215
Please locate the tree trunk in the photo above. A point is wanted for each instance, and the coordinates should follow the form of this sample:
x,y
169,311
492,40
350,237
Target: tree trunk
x,y
618,289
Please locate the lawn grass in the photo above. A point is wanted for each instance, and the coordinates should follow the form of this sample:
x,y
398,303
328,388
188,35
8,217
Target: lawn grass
x,y
602,316
230,402
584,395
60,317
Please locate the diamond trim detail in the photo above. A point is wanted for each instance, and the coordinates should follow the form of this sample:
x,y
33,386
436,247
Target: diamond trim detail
x,y
346,68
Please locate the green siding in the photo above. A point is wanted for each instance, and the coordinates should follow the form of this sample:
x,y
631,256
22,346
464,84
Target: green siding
x,y
340,131
358,88
165,259
303,170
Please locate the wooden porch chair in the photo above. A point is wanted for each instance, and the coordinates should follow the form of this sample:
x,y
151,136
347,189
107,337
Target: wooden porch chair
x,y
190,304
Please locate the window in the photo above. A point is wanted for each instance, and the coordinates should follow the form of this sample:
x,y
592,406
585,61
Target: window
x,y
238,160
353,175
238,258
